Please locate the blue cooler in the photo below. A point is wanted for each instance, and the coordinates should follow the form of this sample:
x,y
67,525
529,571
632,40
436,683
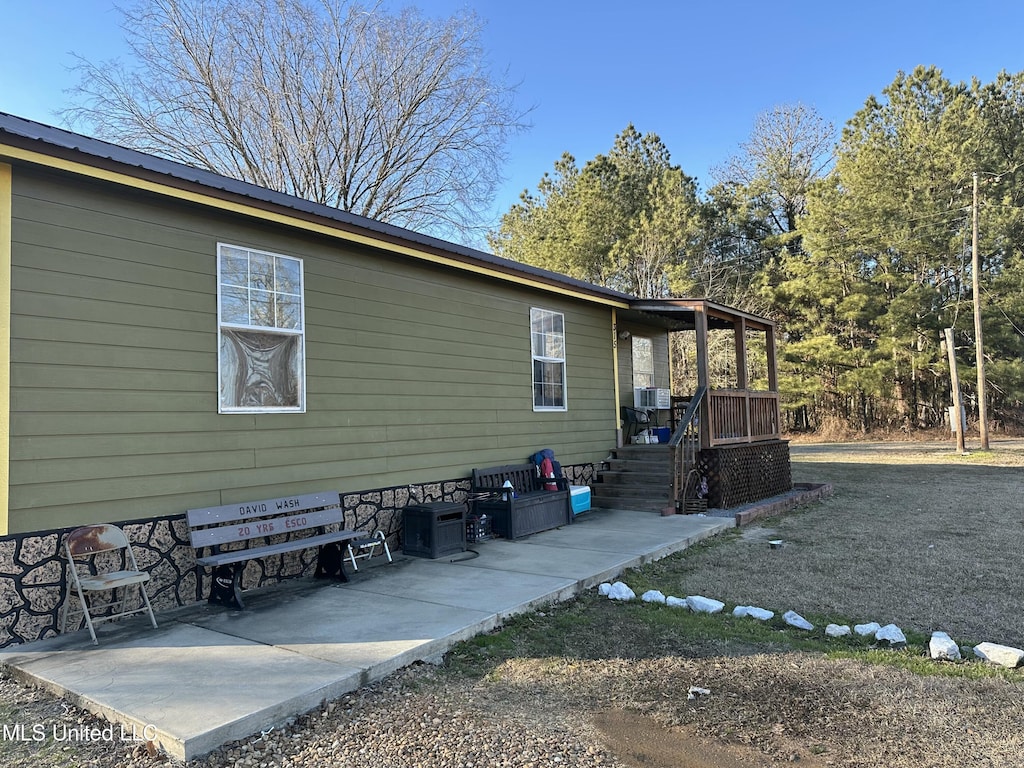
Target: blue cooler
x,y
579,497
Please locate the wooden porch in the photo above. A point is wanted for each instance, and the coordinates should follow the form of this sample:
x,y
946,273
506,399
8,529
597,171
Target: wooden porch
x,y
726,431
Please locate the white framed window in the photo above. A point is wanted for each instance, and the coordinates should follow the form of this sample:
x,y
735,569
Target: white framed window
x,y
547,346
643,362
261,356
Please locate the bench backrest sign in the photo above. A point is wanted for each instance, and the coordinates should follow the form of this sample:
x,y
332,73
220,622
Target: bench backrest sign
x,y
239,522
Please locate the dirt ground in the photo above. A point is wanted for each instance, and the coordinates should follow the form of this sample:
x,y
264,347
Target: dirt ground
x,y
913,535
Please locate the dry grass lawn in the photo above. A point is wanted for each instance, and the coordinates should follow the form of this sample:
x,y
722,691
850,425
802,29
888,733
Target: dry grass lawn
x,y
914,534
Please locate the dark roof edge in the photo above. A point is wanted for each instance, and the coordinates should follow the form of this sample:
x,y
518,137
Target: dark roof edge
x,y
134,163
668,306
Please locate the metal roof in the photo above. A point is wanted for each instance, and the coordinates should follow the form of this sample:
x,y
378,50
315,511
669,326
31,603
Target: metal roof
x,y
56,142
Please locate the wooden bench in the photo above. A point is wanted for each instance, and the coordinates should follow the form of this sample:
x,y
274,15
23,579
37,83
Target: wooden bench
x,y
232,533
528,509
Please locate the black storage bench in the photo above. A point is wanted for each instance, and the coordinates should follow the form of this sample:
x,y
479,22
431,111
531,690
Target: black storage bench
x,y
528,507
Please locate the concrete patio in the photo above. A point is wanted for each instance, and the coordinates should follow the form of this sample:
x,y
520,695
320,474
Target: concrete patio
x,y
210,675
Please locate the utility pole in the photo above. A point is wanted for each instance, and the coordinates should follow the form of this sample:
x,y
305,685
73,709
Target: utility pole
x,y
956,421
978,345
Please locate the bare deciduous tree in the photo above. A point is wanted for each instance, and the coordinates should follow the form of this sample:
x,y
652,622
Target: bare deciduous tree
x,y
392,116
789,148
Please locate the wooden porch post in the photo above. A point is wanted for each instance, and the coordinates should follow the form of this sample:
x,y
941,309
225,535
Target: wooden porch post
x,y
773,375
773,371
700,322
740,333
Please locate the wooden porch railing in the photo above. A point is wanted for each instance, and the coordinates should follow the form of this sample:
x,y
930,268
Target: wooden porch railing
x,y
734,417
742,416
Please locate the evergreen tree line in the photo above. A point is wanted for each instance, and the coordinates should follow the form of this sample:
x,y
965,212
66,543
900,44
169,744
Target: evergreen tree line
x,y
857,243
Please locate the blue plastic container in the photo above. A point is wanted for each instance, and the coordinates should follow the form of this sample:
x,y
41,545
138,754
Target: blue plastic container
x,y
579,495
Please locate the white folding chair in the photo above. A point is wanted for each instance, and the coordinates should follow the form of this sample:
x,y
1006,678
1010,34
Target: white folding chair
x,y
82,548
361,549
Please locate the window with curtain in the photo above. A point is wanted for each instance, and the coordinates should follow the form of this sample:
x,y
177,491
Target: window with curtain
x,y
261,327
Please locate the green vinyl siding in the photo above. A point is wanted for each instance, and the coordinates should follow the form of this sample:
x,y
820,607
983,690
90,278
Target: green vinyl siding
x,y
659,349
415,373
5,342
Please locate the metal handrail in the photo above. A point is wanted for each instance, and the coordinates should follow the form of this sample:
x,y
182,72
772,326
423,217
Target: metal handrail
x,y
688,416
685,443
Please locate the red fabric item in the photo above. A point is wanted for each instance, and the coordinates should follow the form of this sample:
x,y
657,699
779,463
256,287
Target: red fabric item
x,y
547,470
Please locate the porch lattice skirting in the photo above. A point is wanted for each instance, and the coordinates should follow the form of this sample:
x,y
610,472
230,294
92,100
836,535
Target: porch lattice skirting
x,y
744,473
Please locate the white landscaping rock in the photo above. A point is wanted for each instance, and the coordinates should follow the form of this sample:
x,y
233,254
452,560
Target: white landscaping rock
x,y
620,591
838,630
794,619
677,602
1003,655
753,612
867,629
700,604
941,646
653,596
604,589
891,634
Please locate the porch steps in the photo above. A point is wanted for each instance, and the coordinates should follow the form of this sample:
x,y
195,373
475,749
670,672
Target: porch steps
x,y
638,477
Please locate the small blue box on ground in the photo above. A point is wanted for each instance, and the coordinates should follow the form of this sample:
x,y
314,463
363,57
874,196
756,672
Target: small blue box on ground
x,y
579,497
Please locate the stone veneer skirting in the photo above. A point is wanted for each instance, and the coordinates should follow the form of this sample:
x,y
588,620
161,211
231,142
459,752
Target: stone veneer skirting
x,y
33,576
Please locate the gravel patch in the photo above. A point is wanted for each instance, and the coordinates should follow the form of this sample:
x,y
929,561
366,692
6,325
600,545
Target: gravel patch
x,y
762,710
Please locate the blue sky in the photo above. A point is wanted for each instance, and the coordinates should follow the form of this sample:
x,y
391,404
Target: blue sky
x,y
697,74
